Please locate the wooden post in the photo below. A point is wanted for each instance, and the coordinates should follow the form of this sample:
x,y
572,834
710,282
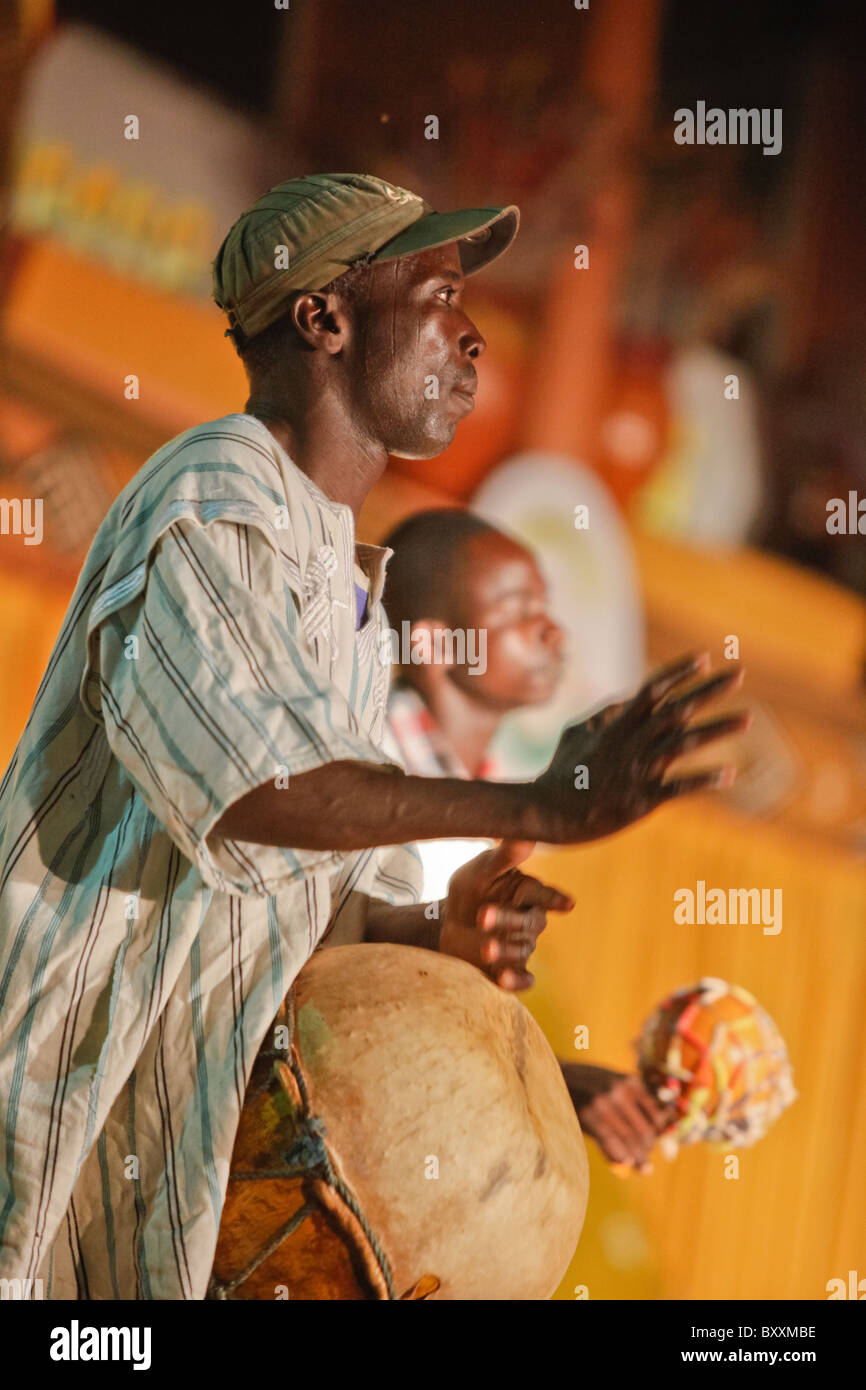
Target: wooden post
x,y
575,358
826,278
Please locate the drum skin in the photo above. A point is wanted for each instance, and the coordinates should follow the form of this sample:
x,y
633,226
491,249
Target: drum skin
x,y
447,1116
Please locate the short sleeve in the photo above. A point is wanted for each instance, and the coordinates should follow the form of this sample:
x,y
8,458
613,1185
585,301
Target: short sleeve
x,y
391,873
208,689
398,876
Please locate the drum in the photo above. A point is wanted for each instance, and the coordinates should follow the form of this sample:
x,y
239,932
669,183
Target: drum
x,y
406,1134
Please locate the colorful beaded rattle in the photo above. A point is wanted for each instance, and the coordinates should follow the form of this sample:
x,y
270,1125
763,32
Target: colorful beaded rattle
x,y
713,1052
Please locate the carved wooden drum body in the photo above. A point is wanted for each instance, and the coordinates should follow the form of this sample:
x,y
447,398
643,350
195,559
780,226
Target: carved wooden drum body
x,y
406,1133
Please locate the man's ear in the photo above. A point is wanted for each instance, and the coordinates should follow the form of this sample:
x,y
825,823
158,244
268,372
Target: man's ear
x,y
425,649
321,321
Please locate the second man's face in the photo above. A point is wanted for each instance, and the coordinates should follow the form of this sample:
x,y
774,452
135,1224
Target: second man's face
x,y
501,590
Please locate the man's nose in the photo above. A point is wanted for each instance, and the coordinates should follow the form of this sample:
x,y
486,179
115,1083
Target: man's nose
x,y
472,344
554,635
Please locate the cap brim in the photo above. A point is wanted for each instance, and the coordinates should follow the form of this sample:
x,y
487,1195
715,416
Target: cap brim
x,y
482,234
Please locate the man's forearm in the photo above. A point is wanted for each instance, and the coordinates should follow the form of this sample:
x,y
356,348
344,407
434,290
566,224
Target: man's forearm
x,y
585,1080
355,805
405,926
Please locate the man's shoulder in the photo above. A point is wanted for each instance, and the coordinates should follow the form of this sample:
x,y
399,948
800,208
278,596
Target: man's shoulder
x,y
225,470
228,430
231,445
228,469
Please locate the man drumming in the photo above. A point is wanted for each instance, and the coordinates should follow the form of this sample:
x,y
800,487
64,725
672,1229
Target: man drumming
x,y
200,786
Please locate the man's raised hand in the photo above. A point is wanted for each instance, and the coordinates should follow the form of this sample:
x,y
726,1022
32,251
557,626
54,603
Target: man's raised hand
x,y
627,748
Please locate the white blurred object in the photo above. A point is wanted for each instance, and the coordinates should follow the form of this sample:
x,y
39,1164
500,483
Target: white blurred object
x,y
442,858
594,593
707,490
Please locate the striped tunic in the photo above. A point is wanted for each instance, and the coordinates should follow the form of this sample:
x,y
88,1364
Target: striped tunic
x,y
209,647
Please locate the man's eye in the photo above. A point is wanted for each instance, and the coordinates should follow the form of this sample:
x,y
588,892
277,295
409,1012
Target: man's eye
x,y
449,290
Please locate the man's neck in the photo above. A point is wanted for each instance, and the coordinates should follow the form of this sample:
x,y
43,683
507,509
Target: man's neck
x,y
328,451
468,725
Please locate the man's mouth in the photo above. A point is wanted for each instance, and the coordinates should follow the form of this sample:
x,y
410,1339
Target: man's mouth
x,y
549,670
466,390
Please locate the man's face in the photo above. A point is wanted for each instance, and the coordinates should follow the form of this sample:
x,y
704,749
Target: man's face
x,y
413,352
500,588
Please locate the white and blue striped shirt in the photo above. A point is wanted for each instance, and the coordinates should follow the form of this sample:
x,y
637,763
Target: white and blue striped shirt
x,y
209,647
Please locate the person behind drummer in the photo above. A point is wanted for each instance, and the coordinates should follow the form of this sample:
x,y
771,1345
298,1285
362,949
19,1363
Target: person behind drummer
x,y
453,572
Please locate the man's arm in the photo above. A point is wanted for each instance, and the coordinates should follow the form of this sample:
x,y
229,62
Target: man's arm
x,y
348,806
416,924
626,748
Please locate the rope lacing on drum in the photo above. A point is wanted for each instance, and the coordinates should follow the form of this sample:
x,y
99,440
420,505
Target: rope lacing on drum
x,y
311,1139
307,1155
219,1290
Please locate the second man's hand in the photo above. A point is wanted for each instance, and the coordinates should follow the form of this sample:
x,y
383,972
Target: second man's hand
x,y
618,1112
491,918
494,914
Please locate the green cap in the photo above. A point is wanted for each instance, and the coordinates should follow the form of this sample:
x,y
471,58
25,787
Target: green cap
x,y
306,232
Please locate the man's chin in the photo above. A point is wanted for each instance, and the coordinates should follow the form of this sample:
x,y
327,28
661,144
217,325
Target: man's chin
x,y
424,449
542,688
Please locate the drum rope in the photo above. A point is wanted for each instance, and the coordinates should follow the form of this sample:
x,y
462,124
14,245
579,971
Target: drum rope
x,y
220,1290
307,1155
312,1135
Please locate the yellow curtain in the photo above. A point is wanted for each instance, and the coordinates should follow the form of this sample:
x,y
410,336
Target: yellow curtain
x,y
796,1215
